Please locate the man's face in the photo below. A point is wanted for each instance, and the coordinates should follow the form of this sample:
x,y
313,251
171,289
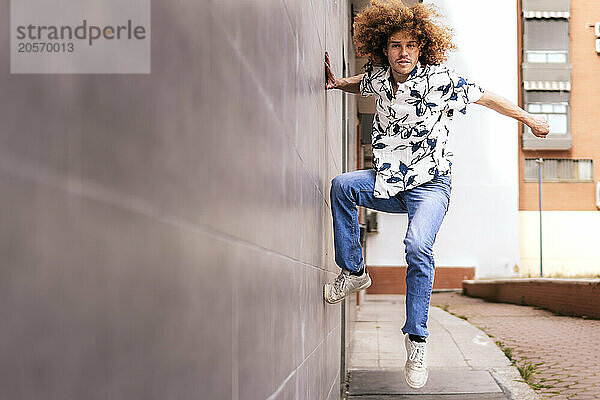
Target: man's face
x,y
402,52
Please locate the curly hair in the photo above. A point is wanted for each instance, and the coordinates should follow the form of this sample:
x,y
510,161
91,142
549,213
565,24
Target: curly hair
x,y
378,21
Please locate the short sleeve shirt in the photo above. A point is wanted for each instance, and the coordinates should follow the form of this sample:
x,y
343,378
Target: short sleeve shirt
x,y
410,128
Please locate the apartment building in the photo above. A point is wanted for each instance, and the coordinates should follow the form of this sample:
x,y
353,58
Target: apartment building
x,y
560,79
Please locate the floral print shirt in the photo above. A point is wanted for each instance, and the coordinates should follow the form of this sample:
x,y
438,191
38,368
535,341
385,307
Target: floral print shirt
x,y
410,128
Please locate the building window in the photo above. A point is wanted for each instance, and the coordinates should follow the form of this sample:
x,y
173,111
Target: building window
x,y
555,113
559,170
547,57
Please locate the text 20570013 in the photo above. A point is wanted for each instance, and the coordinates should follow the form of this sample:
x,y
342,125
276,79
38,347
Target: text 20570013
x,y
41,47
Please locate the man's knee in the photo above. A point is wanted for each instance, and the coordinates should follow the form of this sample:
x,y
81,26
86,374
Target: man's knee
x,y
340,184
418,247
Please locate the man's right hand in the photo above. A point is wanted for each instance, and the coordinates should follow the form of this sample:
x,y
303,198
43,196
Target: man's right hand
x,y
539,126
350,84
331,82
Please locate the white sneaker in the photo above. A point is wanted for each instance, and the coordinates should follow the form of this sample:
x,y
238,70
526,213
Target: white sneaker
x,y
415,369
345,284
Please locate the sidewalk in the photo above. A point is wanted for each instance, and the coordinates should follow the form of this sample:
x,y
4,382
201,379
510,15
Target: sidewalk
x,y
464,363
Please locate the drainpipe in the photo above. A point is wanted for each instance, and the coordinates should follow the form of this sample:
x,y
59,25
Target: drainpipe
x,y
540,161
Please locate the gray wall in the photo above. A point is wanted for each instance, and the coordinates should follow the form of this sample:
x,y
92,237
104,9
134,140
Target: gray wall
x,y
167,236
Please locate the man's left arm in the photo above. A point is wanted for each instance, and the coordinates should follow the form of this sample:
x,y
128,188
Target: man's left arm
x,y
539,126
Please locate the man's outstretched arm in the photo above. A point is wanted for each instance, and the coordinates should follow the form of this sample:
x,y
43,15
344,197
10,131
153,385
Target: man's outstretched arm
x,y
349,84
539,126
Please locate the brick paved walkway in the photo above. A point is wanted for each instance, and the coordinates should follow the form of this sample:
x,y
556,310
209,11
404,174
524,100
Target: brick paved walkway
x,y
565,350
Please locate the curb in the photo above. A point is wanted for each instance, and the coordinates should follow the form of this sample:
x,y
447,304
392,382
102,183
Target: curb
x,y
512,384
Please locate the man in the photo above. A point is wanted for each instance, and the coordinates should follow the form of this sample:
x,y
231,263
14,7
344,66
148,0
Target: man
x,y
417,96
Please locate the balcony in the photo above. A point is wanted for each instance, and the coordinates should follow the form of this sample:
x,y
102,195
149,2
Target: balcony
x,y
558,74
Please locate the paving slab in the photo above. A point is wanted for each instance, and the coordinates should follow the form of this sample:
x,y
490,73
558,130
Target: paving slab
x,y
441,381
478,396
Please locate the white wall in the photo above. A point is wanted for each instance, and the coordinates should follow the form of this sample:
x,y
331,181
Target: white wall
x,y
481,227
565,254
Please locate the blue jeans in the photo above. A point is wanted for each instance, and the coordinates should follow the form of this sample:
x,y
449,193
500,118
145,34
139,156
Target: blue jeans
x,y
426,206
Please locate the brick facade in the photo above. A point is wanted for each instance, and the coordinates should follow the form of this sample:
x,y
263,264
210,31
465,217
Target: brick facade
x,y
392,280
